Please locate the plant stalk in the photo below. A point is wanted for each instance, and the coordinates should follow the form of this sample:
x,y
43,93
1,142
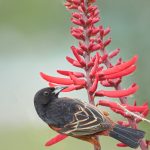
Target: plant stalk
x,y
88,69
90,97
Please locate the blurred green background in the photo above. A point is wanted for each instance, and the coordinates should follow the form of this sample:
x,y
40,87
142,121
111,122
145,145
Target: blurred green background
x,y
34,37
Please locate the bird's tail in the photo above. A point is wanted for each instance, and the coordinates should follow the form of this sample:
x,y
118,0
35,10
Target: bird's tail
x,y
128,136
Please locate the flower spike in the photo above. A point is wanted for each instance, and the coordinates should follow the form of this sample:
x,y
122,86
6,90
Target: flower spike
x,y
92,57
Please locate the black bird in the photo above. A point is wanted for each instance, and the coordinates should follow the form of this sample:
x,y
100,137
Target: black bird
x,y
80,120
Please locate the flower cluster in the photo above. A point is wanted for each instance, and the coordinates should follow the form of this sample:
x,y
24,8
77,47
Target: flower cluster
x,y
92,58
143,110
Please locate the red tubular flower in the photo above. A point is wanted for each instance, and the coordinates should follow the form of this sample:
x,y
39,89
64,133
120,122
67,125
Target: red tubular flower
x,y
106,31
132,108
82,7
78,22
67,73
123,113
136,108
94,86
83,47
114,53
106,83
121,73
78,57
93,31
95,47
74,62
76,2
69,88
143,114
77,30
95,67
56,80
78,36
101,31
119,62
121,67
107,42
77,81
103,58
77,33
118,93
121,145
56,139
76,15
95,20
118,109
73,87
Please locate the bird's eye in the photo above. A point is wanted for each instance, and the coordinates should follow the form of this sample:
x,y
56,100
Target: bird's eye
x,y
45,93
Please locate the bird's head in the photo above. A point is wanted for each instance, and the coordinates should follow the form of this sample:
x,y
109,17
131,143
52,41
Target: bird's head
x,y
45,95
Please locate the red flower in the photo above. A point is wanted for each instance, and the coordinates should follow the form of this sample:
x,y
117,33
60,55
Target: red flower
x,y
143,110
55,140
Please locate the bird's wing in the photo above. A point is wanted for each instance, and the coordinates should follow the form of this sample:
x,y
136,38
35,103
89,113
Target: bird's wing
x,y
86,120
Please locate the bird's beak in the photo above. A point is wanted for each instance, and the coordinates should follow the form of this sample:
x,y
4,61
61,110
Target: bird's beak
x,y
59,89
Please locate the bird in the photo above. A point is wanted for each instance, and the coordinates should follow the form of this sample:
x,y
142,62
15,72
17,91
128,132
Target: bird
x,y
81,120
